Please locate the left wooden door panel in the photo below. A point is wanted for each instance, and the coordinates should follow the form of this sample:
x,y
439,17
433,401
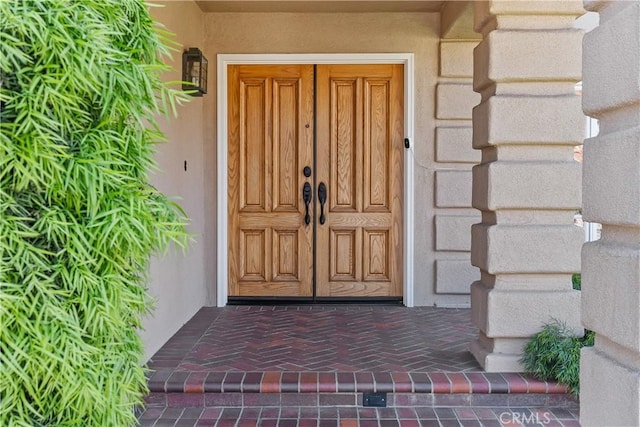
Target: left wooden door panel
x,y
270,130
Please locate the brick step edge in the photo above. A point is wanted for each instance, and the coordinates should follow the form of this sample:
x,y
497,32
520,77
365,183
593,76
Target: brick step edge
x,y
169,381
394,400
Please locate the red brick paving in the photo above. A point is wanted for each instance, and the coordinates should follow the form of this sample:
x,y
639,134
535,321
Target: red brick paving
x,y
308,365
322,338
339,417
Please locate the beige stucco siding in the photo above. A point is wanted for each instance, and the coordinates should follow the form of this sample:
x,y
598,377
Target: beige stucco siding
x,y
454,157
344,33
177,279
185,284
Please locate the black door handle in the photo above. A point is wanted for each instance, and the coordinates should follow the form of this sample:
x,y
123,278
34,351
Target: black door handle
x,y
306,196
322,197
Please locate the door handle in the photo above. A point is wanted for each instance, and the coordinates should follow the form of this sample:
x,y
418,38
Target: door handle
x,y
322,197
306,196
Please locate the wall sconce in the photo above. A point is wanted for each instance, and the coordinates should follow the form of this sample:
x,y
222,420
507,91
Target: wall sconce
x,y
194,71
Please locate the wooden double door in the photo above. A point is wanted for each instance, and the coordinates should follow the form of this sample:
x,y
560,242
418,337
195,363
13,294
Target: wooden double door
x,y
315,180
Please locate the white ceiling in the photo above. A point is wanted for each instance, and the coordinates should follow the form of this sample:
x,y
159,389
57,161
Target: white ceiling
x,y
320,5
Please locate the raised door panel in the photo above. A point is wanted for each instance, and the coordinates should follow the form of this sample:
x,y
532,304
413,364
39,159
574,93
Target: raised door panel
x,y
253,255
344,255
270,141
376,256
286,247
344,135
377,146
360,116
253,145
286,170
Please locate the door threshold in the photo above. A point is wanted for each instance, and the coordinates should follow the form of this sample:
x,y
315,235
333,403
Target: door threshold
x,y
395,301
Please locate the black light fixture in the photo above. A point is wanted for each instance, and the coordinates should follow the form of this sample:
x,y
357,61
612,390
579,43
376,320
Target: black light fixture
x,y
194,71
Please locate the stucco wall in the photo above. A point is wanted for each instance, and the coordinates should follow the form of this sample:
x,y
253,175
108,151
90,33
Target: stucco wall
x,y
178,279
455,157
342,33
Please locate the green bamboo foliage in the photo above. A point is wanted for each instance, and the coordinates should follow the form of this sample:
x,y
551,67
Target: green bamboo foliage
x,y
553,354
79,90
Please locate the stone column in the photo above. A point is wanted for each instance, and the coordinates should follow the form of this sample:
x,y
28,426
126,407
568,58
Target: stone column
x,y
527,185
610,371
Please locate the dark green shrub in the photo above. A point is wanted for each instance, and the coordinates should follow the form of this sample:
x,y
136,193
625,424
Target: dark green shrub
x,y
79,90
553,354
576,280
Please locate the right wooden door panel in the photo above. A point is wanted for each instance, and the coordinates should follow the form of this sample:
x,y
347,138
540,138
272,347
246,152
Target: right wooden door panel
x,y
360,159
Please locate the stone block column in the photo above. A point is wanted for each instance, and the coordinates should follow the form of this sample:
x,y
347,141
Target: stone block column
x,y
610,371
527,186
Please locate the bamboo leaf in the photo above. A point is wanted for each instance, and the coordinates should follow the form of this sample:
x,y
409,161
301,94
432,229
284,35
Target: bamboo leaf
x,y
80,89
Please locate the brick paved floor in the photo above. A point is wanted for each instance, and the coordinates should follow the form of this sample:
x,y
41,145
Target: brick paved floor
x,y
346,417
268,366
349,338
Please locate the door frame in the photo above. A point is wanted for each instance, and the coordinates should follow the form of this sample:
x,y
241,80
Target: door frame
x,y
223,60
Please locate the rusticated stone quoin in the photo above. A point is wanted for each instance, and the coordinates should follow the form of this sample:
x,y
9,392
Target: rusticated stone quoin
x,y
610,371
527,185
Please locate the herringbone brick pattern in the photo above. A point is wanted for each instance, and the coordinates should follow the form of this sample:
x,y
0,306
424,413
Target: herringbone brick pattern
x,y
310,365
322,338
